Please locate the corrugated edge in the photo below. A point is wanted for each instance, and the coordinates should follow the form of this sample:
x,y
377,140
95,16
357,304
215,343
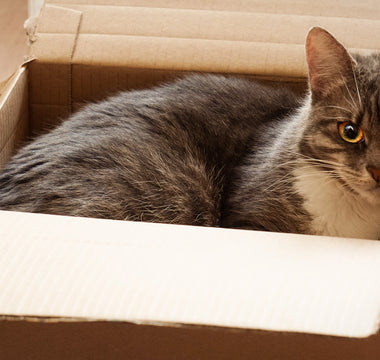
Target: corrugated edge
x,y
55,320
14,120
7,85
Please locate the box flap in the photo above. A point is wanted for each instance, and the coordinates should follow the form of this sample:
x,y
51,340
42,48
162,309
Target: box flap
x,y
350,8
13,114
53,45
54,266
91,49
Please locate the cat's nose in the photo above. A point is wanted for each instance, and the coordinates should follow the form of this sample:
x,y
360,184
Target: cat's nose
x,y
375,172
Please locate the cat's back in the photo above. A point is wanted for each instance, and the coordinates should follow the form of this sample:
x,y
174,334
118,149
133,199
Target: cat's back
x,y
156,155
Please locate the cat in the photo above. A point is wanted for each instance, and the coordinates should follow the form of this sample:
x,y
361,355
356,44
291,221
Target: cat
x,y
318,171
214,150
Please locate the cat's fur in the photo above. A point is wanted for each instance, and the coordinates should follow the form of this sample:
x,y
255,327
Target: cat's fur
x,y
218,151
160,155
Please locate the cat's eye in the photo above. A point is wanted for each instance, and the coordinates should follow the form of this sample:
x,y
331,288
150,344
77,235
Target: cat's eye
x,y
350,132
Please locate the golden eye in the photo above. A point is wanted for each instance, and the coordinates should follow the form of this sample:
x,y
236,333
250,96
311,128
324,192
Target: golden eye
x,y
350,132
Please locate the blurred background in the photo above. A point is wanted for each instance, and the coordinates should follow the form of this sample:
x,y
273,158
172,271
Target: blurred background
x,y
13,40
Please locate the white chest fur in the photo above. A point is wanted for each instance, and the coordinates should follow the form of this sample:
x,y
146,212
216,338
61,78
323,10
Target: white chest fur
x,y
336,212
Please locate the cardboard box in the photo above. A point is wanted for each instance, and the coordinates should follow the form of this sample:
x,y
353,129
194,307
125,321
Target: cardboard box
x,y
73,288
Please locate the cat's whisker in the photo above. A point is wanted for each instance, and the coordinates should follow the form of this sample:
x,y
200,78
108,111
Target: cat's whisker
x,y
293,191
338,107
349,93
334,117
298,154
350,103
323,162
289,179
327,163
357,89
311,158
333,167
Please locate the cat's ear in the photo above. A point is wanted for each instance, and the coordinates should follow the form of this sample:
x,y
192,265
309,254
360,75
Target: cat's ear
x,y
330,65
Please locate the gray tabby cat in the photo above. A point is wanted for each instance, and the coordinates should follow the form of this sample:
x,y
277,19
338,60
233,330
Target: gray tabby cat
x,y
219,151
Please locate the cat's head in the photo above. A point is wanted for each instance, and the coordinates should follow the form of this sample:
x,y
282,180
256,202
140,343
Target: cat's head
x,y
342,135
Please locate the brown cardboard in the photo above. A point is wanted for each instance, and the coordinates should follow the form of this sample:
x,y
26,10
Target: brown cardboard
x,y
76,38
14,120
24,339
87,49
